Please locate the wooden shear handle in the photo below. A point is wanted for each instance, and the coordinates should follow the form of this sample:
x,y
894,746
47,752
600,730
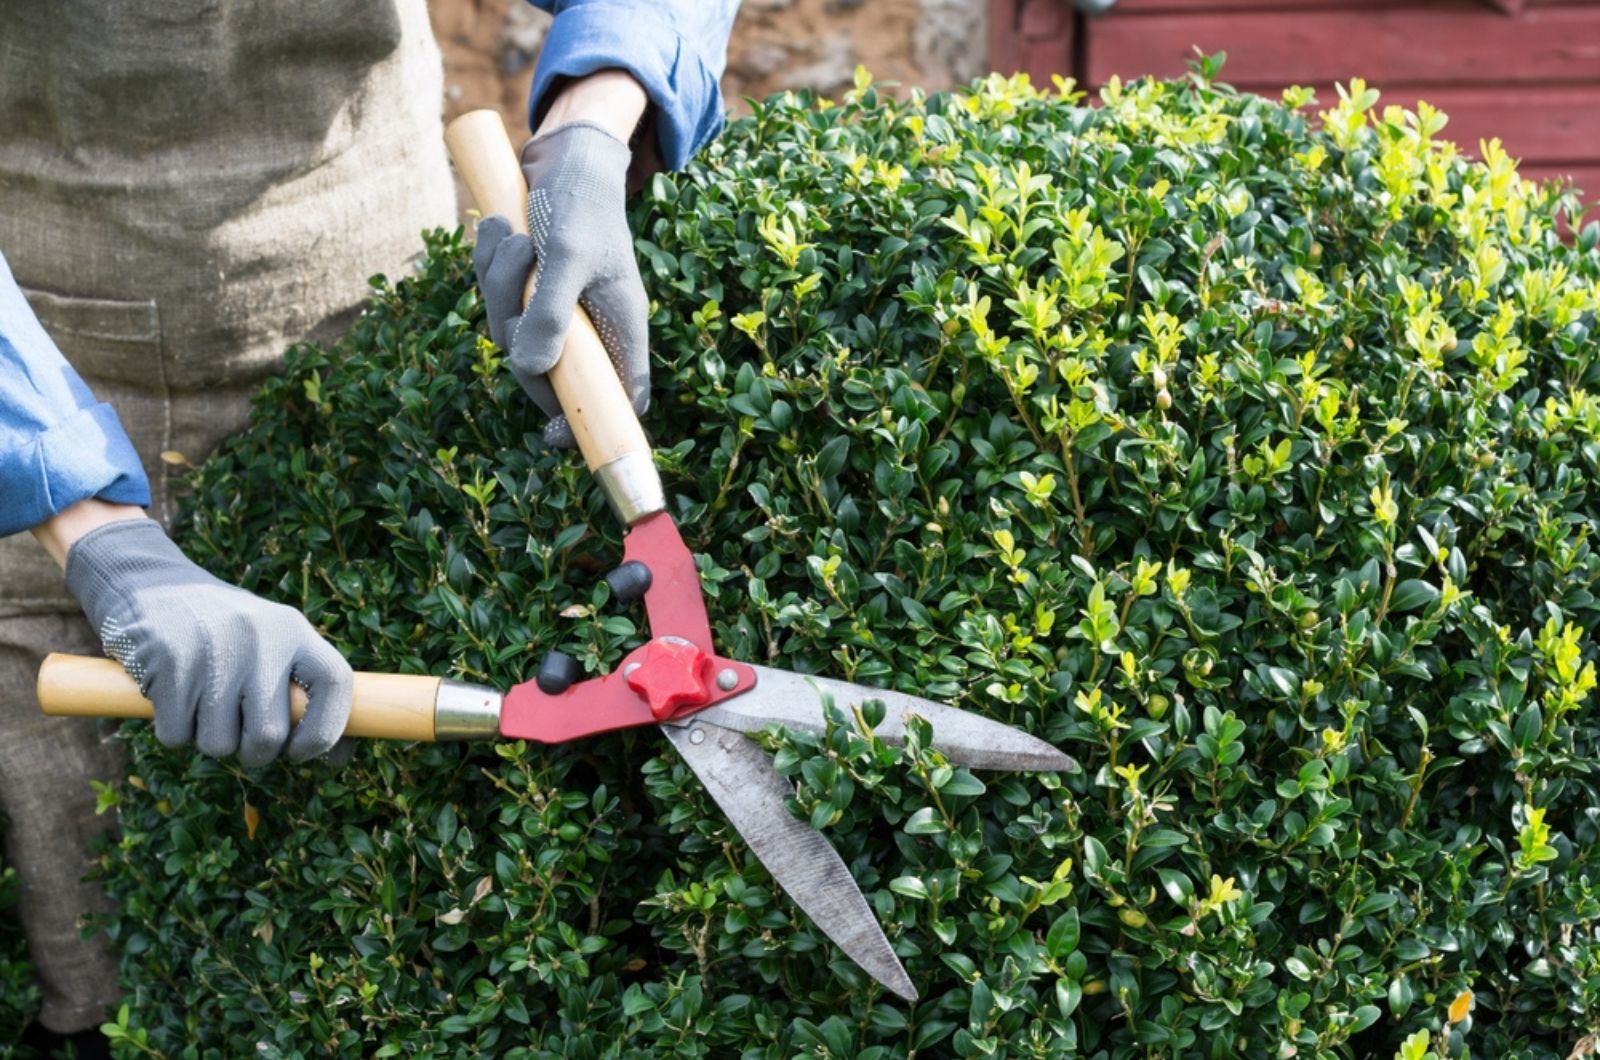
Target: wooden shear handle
x,y
585,381
386,706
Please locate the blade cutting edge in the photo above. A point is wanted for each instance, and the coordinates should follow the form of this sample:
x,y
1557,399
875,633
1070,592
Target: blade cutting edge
x,y
794,701
739,776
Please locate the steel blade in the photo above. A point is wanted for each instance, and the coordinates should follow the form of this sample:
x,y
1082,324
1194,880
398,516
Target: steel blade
x,y
794,701
737,773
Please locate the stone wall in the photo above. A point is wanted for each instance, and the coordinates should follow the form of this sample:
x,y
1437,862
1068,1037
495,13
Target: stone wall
x,y
816,44
490,46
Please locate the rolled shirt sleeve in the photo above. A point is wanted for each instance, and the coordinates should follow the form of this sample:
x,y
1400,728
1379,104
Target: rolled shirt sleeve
x,y
675,49
58,445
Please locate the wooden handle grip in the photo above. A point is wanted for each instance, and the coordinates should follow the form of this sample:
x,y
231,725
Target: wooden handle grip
x,y
584,379
386,706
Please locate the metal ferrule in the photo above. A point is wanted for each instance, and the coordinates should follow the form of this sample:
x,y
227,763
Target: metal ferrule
x,y
632,486
465,712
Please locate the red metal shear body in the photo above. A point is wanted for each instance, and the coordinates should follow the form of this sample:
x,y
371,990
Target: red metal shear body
x,y
674,674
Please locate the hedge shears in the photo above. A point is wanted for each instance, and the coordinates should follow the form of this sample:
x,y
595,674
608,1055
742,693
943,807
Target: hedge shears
x,y
704,703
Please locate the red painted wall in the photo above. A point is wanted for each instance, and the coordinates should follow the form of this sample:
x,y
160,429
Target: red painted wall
x,y
1527,71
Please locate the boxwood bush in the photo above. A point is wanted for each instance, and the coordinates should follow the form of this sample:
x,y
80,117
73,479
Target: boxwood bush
x,y
19,995
1248,456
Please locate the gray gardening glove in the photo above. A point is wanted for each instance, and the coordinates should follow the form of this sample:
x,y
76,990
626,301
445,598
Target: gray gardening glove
x,y
215,660
577,177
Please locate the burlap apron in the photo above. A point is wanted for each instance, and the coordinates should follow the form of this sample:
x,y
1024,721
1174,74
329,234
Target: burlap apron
x,y
186,186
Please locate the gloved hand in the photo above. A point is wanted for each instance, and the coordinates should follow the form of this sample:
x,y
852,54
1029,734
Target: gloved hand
x,y
215,660
577,177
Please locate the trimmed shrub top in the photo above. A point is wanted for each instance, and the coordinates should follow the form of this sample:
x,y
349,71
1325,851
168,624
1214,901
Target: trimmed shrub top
x,y
1248,458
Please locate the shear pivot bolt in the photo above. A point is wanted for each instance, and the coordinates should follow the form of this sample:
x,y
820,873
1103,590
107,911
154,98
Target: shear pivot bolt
x,y
671,674
697,735
727,680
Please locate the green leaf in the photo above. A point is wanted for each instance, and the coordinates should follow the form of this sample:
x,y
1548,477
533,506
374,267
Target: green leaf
x,y
832,456
1412,594
1400,996
1177,885
909,886
962,783
1063,936
1375,903
1530,724
1094,856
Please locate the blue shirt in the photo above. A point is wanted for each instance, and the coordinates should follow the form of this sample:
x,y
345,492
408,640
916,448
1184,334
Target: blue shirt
x,y
59,446
676,49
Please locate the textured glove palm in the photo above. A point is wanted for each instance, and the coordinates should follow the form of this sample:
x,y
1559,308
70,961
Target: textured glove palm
x,y
215,660
577,180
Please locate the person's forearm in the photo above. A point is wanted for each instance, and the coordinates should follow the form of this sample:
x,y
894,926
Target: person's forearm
x,y
58,444
674,49
611,99
61,531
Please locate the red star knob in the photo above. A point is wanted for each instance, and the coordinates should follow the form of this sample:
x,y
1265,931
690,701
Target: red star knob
x,y
668,676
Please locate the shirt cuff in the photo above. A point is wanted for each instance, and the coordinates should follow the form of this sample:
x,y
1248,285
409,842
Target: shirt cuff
x,y
596,36
88,454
